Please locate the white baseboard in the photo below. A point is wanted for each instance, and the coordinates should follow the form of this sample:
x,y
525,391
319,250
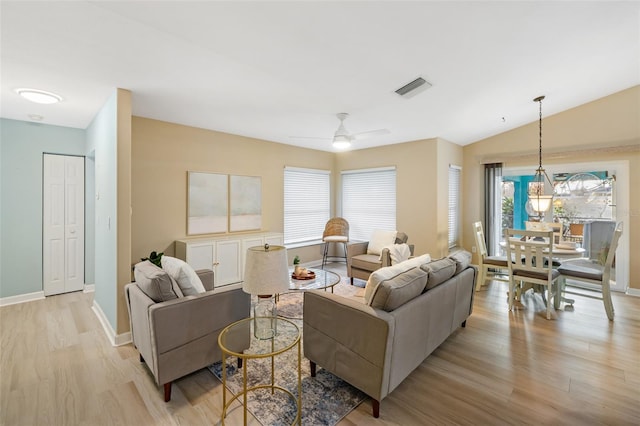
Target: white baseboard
x,y
633,292
89,288
21,298
115,339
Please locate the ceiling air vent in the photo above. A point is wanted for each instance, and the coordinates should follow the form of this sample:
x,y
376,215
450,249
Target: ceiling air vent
x,y
413,88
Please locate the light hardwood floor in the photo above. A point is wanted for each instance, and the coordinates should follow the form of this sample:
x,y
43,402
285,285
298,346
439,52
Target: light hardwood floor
x,y
58,368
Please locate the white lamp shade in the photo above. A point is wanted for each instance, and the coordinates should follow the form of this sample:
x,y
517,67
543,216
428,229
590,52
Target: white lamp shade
x,y
266,270
541,203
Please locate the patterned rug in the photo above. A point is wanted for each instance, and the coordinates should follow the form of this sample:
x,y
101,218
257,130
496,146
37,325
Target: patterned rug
x,y
326,399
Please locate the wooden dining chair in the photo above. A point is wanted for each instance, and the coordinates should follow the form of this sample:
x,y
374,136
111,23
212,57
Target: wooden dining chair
x,y
534,248
594,273
490,267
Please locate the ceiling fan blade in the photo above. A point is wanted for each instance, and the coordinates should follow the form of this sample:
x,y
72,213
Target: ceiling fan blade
x,y
370,133
310,137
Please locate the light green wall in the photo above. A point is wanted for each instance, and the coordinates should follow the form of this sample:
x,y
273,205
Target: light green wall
x,y
101,137
22,145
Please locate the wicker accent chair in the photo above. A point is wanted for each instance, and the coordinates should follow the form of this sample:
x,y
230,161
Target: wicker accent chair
x,y
335,231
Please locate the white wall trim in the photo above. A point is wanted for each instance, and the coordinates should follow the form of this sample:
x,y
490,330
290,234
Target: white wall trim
x,y
633,292
21,298
115,339
89,288
109,331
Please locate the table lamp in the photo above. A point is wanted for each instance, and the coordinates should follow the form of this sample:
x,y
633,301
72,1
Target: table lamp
x,y
266,274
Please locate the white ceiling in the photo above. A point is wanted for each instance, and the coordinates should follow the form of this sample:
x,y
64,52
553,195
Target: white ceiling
x,y
272,70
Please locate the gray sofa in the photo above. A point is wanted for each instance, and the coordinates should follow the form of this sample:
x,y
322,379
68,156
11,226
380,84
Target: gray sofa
x,y
375,345
179,336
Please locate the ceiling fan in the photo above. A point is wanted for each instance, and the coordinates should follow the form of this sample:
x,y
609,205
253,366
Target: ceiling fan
x,y
342,138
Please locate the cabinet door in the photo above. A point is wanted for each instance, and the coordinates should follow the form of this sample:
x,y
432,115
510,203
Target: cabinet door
x,y
274,240
228,270
201,255
246,243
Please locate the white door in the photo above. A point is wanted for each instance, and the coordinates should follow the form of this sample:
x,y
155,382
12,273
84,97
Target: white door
x,y
63,224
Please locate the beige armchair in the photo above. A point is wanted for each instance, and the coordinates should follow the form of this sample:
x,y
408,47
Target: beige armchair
x,y
179,336
361,265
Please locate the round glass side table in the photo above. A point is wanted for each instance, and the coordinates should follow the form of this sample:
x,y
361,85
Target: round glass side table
x,y
287,337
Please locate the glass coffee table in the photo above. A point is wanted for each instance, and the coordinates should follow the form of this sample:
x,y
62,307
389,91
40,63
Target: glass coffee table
x,y
323,280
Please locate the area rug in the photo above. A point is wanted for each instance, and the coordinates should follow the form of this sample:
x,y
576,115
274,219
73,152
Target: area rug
x,y
326,399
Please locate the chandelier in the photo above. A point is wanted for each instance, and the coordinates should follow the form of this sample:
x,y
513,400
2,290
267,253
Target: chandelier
x,y
540,203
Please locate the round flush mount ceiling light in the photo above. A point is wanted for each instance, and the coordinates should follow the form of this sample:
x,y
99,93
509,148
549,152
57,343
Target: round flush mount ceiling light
x,y
39,96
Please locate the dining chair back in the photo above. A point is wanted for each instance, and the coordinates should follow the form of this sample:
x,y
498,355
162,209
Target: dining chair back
x,y
534,248
490,267
336,230
592,275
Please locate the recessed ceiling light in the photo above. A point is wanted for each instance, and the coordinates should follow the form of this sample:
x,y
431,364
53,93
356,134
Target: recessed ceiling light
x,y
39,96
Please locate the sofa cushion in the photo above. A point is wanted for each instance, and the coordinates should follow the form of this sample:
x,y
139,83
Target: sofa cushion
x,y
379,240
184,274
368,262
154,282
389,272
462,259
439,271
396,291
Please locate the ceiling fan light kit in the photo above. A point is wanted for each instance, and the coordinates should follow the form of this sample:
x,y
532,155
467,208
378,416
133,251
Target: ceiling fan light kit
x,y
341,139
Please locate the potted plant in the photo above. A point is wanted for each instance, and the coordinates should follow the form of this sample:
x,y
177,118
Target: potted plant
x,y
296,265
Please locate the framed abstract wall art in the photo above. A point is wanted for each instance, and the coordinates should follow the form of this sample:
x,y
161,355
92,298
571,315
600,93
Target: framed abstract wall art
x,y
207,208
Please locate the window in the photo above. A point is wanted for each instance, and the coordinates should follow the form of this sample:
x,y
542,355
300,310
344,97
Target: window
x,y
304,219
369,201
454,206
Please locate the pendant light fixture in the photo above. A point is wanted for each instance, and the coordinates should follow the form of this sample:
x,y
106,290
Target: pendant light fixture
x,y
540,203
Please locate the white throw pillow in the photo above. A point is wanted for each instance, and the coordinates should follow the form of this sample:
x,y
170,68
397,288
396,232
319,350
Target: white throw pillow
x,y
185,276
379,240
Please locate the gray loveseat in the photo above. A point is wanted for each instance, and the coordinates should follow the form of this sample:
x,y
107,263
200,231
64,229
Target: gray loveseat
x,y
179,336
408,313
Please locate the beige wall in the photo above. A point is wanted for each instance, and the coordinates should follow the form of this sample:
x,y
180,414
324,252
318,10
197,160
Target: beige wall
x,y
421,182
162,155
607,129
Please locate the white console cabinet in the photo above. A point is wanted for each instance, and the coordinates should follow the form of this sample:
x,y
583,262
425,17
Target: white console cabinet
x,y
225,255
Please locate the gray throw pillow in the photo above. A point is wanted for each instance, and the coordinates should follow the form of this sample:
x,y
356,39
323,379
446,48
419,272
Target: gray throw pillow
x,y
462,259
154,282
396,291
439,271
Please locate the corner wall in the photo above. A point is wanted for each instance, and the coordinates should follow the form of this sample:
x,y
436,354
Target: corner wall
x,y
22,145
416,187
163,153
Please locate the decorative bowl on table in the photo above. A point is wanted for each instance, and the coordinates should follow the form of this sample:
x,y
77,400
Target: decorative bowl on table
x,y
303,274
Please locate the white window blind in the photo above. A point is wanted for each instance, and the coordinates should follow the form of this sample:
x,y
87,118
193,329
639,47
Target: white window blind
x,y
306,204
369,201
454,206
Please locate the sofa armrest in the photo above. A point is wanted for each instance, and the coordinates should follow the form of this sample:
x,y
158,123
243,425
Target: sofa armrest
x,y
179,321
360,353
355,249
138,305
206,276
